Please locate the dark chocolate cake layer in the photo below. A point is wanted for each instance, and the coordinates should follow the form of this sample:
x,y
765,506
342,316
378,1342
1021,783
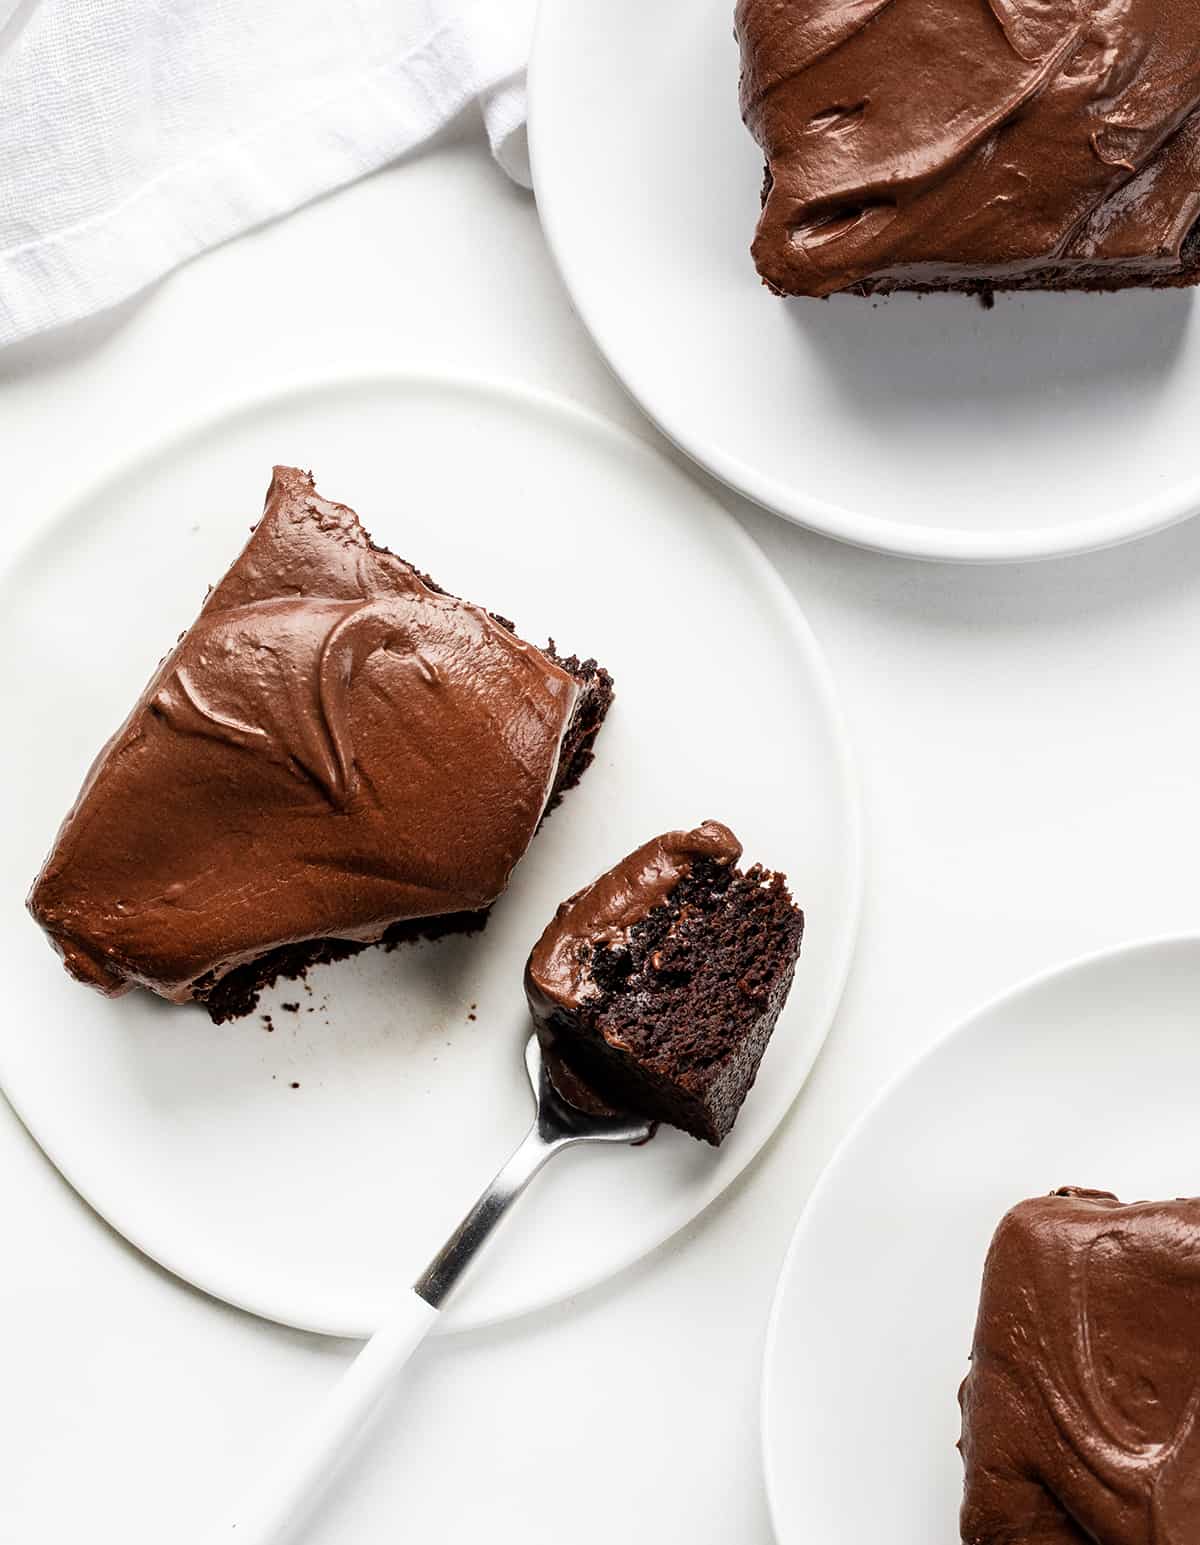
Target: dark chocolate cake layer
x,y
974,144
658,985
1081,1412
335,751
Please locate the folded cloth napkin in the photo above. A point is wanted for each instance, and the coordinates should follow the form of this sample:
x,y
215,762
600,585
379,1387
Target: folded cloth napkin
x,y
136,133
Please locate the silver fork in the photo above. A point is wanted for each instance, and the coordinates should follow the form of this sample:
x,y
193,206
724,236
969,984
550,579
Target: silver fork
x,y
279,1502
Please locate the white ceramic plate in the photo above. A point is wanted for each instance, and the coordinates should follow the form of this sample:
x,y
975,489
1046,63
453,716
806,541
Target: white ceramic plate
x,y
313,1205
924,426
1086,1076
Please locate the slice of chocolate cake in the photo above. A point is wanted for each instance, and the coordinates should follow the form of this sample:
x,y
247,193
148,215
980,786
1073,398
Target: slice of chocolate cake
x,y
658,985
336,752
974,145
1081,1412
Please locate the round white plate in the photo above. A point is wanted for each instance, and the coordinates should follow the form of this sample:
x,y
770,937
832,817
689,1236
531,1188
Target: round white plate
x,y
314,1205
1086,1076
917,425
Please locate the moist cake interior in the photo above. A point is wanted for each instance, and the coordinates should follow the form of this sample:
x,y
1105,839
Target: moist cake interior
x,y
678,1010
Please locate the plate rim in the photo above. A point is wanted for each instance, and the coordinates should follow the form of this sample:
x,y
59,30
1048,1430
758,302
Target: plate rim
x,y
1073,965
901,539
270,392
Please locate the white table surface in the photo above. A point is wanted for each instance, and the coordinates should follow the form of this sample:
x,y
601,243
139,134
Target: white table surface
x,y
1030,748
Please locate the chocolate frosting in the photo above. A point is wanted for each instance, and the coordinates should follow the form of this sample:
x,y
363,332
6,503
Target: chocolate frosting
x,y
937,140
1081,1413
333,747
558,975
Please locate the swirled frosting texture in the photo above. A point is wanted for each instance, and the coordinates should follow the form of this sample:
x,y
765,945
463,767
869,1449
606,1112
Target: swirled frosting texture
x,y
932,142
1081,1413
333,747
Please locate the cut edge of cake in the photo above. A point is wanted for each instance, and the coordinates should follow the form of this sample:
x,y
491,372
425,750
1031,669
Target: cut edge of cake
x,y
675,1014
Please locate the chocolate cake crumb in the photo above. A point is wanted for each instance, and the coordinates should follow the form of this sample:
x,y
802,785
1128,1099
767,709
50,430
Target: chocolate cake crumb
x,y
673,1019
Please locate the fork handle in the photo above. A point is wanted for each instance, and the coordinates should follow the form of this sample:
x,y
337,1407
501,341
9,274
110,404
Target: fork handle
x,y
273,1508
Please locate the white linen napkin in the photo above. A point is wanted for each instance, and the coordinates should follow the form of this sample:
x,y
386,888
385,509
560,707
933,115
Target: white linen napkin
x,y
136,133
